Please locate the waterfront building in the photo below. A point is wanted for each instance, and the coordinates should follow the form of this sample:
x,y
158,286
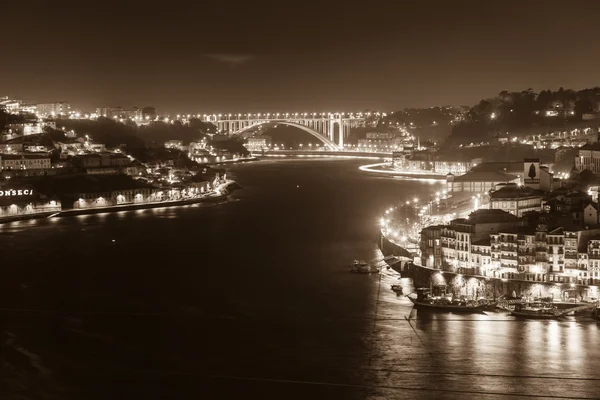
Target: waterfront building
x,y
24,200
457,237
518,248
431,246
258,143
478,181
516,199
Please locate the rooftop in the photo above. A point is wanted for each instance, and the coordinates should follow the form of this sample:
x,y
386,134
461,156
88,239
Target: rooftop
x,y
70,184
482,242
486,216
509,167
591,146
485,176
24,156
514,191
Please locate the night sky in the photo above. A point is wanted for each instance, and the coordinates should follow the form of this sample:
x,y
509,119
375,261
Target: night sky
x,y
253,56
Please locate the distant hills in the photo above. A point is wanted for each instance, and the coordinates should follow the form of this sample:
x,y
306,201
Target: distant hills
x,y
527,112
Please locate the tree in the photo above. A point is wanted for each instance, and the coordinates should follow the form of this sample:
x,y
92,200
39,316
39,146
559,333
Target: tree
x,y
587,178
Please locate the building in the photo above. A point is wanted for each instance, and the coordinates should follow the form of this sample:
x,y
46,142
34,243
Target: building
x,y
431,246
381,142
70,146
478,181
173,144
561,153
258,143
119,113
12,106
515,249
516,199
457,237
11,148
22,200
25,161
102,163
53,109
456,167
590,214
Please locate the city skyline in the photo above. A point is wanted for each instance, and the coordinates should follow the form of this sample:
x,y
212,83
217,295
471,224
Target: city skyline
x,y
190,59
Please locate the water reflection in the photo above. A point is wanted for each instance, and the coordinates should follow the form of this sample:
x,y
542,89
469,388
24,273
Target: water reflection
x,y
489,353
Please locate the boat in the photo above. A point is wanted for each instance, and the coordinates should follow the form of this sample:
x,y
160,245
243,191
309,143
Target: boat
x,y
438,303
363,267
536,311
397,288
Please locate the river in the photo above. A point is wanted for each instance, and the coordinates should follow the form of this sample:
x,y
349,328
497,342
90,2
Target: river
x,y
253,298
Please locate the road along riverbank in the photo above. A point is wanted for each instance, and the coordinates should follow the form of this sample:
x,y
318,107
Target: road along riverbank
x,y
384,170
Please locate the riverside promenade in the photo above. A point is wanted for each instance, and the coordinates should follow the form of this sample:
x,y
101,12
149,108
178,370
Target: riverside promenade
x,y
220,193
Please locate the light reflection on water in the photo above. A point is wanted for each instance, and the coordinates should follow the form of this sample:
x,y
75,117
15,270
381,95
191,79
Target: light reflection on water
x,y
487,355
266,292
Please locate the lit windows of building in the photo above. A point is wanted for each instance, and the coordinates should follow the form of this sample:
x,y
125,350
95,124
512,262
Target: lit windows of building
x,y
53,109
516,199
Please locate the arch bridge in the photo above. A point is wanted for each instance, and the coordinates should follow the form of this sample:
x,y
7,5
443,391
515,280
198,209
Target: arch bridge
x,y
321,126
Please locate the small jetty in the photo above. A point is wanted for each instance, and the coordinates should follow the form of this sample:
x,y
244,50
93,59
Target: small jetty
x,y
374,266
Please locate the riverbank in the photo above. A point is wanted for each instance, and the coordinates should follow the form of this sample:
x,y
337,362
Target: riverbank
x,y
233,161
483,286
221,193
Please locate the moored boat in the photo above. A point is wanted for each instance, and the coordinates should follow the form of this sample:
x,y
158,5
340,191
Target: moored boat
x,y
397,288
536,311
363,267
424,300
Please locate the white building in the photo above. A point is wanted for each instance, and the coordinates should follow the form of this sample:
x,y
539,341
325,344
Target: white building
x,y
53,109
258,143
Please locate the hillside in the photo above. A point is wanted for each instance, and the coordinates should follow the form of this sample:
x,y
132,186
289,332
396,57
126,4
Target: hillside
x,y
526,113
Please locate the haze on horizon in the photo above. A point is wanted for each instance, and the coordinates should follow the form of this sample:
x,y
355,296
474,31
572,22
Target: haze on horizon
x,y
294,56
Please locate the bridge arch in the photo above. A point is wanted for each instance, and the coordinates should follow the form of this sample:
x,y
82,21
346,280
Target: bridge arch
x,y
326,141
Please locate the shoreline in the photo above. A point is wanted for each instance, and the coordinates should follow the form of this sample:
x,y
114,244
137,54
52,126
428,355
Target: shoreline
x,y
230,186
377,169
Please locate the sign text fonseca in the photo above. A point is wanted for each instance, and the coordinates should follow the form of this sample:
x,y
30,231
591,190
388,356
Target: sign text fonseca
x,y
15,192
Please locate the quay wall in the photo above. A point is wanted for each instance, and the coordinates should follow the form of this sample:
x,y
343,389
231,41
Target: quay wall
x,y
480,286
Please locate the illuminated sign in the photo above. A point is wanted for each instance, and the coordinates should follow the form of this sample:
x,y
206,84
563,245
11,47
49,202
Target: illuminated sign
x,y
531,169
15,192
